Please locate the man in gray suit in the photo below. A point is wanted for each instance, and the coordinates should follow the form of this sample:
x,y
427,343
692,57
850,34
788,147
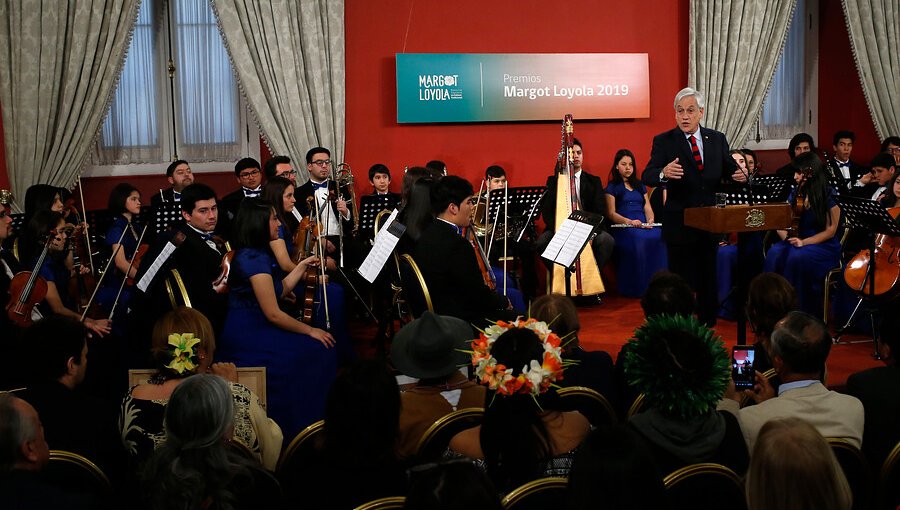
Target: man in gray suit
x,y
800,346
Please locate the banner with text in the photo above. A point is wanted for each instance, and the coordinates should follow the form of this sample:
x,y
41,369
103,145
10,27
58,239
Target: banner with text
x,y
472,87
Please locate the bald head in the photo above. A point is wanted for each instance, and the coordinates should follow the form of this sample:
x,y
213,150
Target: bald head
x,y
22,443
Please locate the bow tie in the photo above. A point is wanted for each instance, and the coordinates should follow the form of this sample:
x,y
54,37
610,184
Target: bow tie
x,y
251,193
842,165
176,195
319,185
206,236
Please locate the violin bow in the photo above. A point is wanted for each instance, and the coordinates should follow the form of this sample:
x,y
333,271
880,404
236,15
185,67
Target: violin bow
x,y
124,280
320,249
87,234
102,276
505,230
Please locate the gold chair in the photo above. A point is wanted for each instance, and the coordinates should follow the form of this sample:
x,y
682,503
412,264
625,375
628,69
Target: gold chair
x,y
436,438
705,486
412,280
173,281
301,448
637,407
379,219
855,468
391,503
540,493
589,402
889,481
74,473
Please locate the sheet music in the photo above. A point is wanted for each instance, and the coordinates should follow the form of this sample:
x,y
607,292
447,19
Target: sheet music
x,y
567,242
384,244
164,255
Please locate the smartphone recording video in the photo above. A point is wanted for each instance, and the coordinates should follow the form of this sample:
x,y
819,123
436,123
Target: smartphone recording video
x,y
742,371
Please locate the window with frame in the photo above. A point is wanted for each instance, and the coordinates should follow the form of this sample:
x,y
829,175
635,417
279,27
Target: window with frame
x,y
177,97
790,106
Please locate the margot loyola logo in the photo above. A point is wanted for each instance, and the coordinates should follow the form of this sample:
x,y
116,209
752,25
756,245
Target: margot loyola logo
x,y
439,87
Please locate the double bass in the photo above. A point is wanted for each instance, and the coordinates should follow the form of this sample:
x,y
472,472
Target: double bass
x,y
585,279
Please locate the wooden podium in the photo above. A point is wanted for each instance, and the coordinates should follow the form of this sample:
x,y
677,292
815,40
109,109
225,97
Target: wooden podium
x,y
739,218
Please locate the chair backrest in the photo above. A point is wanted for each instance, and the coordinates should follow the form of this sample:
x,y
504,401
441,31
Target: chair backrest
x,y
254,378
414,287
856,470
175,282
74,473
638,406
538,494
435,440
379,219
589,402
301,449
705,486
391,503
889,481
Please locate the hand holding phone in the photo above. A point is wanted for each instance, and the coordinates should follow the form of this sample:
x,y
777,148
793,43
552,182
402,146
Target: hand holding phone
x,y
743,372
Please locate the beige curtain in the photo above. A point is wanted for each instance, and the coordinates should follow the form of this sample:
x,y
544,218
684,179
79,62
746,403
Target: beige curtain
x,y
734,50
874,27
58,69
289,59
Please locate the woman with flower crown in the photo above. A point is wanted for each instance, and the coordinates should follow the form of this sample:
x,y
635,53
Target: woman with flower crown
x,y
300,360
183,345
524,435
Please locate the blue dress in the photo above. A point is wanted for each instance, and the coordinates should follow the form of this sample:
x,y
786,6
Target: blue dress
x,y
299,369
106,296
639,252
727,269
805,267
54,270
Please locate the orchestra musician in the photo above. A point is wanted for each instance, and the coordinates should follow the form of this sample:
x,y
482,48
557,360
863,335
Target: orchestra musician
x,y
380,179
53,269
248,174
334,216
851,175
883,169
800,143
124,204
692,161
448,261
280,166
300,359
9,265
179,175
591,198
197,258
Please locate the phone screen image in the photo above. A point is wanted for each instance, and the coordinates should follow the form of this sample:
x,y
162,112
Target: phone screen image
x,y
742,371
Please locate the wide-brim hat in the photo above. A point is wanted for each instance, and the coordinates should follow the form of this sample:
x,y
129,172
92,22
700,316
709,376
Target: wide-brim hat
x,y
430,346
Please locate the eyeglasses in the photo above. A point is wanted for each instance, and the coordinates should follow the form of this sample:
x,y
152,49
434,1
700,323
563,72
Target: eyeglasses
x,y
893,149
246,175
322,162
289,173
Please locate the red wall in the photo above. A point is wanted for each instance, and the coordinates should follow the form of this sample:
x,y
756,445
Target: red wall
x,y
376,31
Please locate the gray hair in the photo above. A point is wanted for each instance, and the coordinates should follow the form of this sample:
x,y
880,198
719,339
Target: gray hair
x,y
14,431
687,92
199,413
802,341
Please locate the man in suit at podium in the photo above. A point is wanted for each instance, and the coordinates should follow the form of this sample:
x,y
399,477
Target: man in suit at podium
x,y
691,161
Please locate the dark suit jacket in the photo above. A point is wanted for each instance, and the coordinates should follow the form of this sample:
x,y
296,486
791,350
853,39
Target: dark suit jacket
x,y
168,194
877,389
856,171
451,272
305,190
593,198
230,203
693,189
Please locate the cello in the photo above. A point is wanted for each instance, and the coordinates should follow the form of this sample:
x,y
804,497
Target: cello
x,y
585,279
859,274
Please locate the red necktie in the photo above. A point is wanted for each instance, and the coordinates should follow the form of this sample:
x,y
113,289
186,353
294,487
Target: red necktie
x,y
696,152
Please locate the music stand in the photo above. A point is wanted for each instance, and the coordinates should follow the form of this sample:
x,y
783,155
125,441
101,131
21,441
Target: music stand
x,y
371,205
523,206
871,218
164,215
570,239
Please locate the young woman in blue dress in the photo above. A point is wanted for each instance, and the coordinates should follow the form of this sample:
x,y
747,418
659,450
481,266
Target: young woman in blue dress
x,y
640,251
300,360
805,258
123,205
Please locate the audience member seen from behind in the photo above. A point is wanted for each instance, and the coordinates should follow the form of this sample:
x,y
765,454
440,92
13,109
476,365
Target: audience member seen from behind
x,y
877,388
613,466
450,485
593,369
431,349
769,298
357,445
682,369
195,467
524,435
793,468
184,345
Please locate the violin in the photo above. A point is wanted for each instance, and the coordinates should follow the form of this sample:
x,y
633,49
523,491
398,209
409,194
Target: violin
x,y
83,284
220,284
484,265
306,244
799,203
858,274
138,255
27,289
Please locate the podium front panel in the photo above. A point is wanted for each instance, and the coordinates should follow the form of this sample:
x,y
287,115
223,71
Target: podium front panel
x,y
739,218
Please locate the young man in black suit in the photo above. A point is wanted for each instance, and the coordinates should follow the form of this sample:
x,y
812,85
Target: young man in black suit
x,y
691,162
248,174
336,214
380,179
179,176
448,262
851,175
280,166
592,197
883,168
